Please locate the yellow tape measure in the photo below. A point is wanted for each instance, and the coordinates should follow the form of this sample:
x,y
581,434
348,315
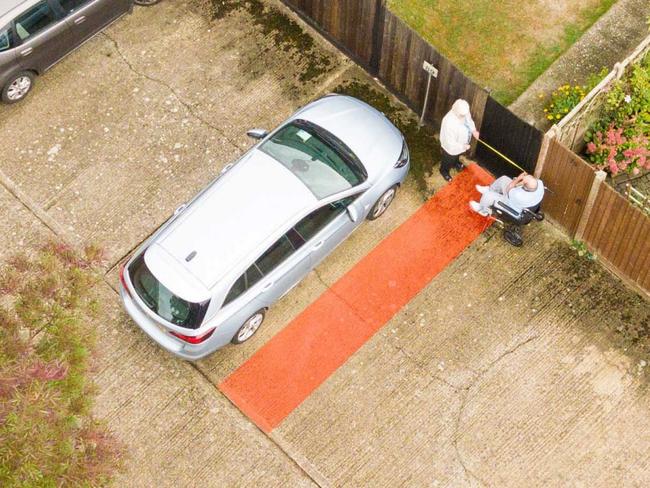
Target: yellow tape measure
x,y
502,155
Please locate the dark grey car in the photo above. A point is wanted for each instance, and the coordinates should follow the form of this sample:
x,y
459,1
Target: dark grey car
x,y
35,34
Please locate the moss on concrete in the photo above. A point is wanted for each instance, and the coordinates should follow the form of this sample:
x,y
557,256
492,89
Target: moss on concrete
x,y
286,34
424,147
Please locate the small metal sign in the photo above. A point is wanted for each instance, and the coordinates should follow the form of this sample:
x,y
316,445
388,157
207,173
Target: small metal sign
x,y
433,73
431,69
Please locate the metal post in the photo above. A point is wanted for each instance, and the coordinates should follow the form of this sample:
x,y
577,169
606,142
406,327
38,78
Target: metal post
x,y
426,99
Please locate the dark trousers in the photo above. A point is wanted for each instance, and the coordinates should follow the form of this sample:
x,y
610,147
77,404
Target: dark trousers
x,y
448,162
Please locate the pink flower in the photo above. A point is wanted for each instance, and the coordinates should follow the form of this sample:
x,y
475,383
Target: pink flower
x,y
613,167
636,171
591,148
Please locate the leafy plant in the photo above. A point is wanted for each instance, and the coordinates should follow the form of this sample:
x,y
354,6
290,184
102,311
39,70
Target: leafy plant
x,y
48,436
620,139
566,97
582,250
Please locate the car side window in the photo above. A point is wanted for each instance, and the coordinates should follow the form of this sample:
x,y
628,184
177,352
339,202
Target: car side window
x,y
245,281
6,39
275,255
72,5
318,220
34,20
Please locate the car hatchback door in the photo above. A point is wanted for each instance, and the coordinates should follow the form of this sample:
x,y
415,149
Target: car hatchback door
x,y
42,35
87,17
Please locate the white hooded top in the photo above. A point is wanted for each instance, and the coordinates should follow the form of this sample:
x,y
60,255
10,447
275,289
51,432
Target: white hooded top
x,y
455,134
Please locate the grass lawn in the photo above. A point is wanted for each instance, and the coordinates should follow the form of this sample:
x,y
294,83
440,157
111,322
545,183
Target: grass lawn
x,y
503,44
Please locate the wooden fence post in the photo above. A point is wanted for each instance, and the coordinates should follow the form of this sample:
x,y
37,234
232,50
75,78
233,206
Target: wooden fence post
x,y
589,206
543,151
377,37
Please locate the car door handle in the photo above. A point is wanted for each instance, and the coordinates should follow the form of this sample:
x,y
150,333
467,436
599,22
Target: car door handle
x,y
80,20
267,287
27,52
318,246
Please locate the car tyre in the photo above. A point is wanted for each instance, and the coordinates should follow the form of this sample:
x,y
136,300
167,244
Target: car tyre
x,y
18,86
382,204
249,328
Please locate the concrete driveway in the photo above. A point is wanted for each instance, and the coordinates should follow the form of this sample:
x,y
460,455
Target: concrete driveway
x,y
513,367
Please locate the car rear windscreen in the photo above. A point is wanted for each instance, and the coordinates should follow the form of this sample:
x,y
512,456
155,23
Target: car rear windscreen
x,y
163,302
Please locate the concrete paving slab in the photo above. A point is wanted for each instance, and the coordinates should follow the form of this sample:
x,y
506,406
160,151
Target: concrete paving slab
x,y
527,387
178,430
19,228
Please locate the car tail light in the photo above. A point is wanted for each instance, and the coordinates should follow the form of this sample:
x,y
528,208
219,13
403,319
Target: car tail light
x,y
193,339
123,281
403,157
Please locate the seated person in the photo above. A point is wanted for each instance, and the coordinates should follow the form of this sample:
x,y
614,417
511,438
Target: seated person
x,y
525,191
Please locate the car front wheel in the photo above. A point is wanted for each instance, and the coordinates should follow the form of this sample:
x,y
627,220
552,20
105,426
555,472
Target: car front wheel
x,y
17,87
250,327
383,203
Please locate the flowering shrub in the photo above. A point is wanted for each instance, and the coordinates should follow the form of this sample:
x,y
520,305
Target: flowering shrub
x,y
620,140
563,100
566,97
48,435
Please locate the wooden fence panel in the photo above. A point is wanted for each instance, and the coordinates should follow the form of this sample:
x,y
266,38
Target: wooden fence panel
x,y
619,234
403,53
569,179
508,134
350,24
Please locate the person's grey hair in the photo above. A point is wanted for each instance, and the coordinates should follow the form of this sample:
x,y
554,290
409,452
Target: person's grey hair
x,y
460,108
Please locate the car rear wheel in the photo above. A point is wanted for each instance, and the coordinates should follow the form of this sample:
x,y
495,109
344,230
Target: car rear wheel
x,y
250,327
383,203
18,87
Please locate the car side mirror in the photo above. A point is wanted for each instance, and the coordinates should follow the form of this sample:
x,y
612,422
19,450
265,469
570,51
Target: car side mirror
x,y
353,213
257,133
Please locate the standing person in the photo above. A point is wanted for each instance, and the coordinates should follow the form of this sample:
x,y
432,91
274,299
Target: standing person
x,y
456,133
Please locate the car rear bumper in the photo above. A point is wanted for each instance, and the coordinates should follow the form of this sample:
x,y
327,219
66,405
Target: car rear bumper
x,y
164,339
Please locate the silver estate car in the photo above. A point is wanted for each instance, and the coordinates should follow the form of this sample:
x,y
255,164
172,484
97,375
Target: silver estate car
x,y
207,276
35,34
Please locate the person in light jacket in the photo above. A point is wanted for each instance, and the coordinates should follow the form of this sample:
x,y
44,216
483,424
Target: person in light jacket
x,y
525,191
456,134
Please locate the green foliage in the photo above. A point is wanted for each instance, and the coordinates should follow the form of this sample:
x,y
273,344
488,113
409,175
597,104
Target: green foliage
x,y
566,97
582,250
48,436
620,139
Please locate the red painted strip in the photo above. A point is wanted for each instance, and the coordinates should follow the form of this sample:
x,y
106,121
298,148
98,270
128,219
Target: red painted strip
x,y
277,378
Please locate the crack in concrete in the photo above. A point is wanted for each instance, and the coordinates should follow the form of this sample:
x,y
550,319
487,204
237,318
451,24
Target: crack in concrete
x,y
481,373
173,91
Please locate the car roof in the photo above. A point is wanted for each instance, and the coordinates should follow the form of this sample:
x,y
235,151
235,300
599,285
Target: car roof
x,y
10,8
234,220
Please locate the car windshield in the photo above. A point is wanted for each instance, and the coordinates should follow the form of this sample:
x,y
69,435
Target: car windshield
x,y
320,160
162,301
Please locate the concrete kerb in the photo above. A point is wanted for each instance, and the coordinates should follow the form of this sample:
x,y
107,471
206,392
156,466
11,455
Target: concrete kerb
x,y
39,213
